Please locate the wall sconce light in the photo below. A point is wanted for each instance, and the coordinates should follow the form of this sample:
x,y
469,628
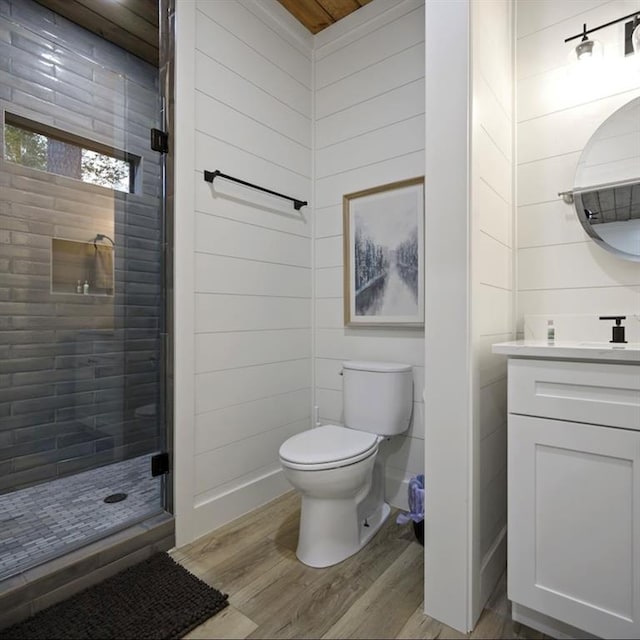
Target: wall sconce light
x,y
586,48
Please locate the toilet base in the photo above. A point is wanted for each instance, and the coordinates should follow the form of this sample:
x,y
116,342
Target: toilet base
x,y
324,541
370,527
334,528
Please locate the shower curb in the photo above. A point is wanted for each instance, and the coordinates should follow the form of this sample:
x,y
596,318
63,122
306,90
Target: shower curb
x,y
37,588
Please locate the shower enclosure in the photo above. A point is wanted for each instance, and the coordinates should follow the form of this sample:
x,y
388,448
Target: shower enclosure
x,y
82,300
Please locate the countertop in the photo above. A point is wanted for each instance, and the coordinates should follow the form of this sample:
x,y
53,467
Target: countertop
x,y
566,350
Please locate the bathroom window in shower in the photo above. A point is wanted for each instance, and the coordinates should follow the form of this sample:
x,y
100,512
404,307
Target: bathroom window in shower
x,y
38,146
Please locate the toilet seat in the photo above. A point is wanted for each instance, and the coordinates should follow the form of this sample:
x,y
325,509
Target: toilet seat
x,y
327,447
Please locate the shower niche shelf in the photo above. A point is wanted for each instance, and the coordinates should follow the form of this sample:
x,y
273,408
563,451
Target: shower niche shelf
x,y
73,261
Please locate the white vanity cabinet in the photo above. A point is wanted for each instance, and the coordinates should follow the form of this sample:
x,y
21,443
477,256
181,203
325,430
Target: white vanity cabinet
x,y
574,491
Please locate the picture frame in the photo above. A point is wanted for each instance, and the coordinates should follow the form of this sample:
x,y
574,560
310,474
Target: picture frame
x,y
383,242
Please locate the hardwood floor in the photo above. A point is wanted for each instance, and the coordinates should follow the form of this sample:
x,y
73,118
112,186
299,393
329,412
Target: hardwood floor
x,y
375,594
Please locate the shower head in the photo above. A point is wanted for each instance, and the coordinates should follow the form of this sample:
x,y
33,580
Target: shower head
x,y
101,236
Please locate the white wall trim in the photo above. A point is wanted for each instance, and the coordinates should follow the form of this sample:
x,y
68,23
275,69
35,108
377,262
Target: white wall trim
x,y
448,521
274,15
357,24
184,279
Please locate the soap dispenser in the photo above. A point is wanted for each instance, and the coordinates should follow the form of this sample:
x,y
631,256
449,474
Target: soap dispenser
x,y
617,332
85,287
551,332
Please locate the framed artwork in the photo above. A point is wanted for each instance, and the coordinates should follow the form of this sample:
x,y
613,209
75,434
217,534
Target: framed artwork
x,y
383,231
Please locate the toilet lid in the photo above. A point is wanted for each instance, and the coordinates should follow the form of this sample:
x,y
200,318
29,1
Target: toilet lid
x,y
328,443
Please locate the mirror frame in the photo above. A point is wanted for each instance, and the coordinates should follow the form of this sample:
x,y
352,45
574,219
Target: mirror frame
x,y
579,190
591,229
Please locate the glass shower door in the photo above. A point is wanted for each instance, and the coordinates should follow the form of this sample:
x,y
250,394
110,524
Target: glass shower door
x,y
82,308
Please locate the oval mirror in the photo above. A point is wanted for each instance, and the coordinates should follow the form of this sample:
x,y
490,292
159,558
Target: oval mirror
x,y
606,191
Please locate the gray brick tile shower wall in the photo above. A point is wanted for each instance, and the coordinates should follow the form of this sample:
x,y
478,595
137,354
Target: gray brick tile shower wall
x,y
79,375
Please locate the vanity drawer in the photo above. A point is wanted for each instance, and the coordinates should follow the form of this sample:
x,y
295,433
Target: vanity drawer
x,y
594,393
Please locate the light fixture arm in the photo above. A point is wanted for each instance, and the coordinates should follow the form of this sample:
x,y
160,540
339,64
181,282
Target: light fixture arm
x,y
586,31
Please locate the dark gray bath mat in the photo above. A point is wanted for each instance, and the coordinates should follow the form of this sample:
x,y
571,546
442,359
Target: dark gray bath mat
x,y
155,599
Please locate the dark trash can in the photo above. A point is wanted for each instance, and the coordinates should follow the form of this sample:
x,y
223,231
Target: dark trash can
x,y
416,507
418,529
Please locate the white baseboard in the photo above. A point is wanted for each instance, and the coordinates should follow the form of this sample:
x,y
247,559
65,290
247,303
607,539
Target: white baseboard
x,y
549,626
220,509
493,565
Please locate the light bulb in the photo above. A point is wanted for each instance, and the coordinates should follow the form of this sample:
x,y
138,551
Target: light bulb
x,y
587,48
584,49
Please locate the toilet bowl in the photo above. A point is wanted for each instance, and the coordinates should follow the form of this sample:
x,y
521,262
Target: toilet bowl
x,y
337,469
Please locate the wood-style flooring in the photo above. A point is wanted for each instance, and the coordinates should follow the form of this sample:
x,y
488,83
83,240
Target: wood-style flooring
x,y
376,593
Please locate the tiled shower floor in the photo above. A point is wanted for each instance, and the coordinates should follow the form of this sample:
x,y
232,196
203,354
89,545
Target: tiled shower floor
x,y
45,521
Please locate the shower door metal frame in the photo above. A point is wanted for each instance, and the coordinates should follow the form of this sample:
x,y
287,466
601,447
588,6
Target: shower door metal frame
x,y
166,66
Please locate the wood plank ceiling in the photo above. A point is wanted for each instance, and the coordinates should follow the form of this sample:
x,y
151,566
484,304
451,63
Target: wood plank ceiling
x,y
133,24
317,15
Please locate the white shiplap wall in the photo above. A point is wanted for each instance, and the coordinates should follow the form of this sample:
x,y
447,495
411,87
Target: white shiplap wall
x,y
245,300
252,253
560,105
492,158
369,130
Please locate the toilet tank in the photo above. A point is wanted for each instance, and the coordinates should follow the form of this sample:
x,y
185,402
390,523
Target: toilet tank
x,y
378,396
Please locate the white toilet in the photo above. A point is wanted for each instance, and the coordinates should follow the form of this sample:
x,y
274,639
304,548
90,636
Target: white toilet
x,y
335,468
